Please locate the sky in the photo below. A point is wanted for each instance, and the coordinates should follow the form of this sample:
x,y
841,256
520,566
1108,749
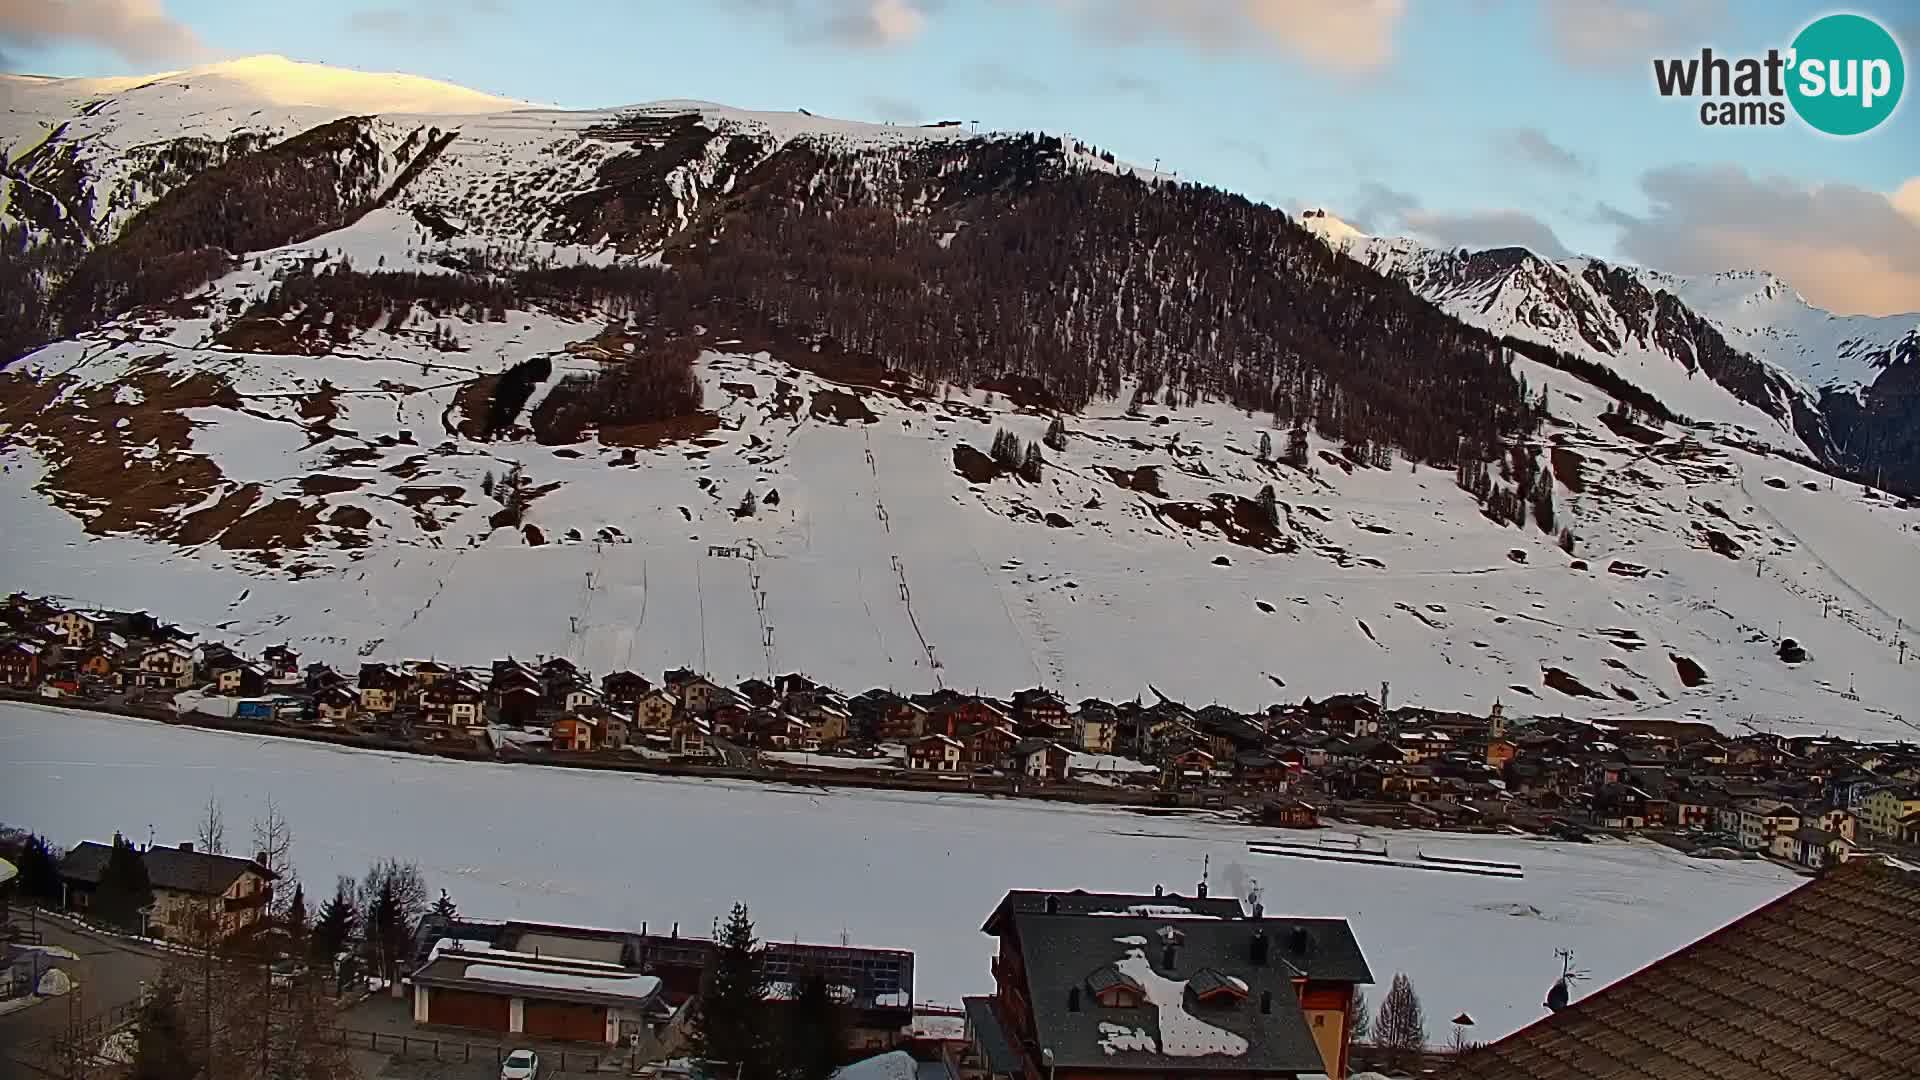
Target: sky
x,y
1463,122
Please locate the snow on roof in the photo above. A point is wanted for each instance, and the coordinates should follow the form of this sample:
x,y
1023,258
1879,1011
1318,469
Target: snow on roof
x,y
629,986
1155,911
894,1065
1182,1034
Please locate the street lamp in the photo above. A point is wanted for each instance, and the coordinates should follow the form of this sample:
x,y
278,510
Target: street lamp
x,y
1046,1058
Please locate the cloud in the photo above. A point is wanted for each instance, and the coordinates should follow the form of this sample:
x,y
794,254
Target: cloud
x,y
1845,248
426,20
992,78
1534,146
1485,229
1381,208
140,31
897,110
1609,33
1125,85
860,24
1352,36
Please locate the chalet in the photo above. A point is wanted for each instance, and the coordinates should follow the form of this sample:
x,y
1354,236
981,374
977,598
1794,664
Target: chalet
x,y
452,703
425,674
336,704
80,627
655,710
20,664
578,732
509,674
935,753
189,887
1811,848
1081,983
518,705
1041,710
1885,809
236,677
99,661
1257,771
827,725
1095,725
901,721
759,693
282,663
164,667
1758,821
581,697
690,737
1289,813
381,687
779,730
1778,993
1191,765
616,730
730,719
1499,752
989,746
696,695
318,677
624,687
1041,759
1623,806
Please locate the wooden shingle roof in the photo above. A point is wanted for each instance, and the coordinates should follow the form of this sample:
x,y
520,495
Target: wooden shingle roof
x,y
1821,983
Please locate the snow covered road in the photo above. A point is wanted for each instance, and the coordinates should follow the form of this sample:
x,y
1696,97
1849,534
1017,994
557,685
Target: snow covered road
x,y
892,869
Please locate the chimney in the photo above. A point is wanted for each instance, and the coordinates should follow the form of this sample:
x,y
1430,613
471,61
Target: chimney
x,y
1257,953
1073,999
1297,941
186,845
1168,955
260,857
1202,892
1259,910
1053,905
1159,890
1266,1001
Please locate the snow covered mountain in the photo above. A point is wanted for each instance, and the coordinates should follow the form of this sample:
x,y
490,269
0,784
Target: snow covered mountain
x,y
302,364
1775,367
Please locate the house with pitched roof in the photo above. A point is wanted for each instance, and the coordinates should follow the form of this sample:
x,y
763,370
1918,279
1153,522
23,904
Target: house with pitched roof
x,y
1109,985
1819,983
188,886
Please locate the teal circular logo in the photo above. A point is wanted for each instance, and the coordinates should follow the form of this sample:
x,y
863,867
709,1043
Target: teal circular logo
x,y
1847,74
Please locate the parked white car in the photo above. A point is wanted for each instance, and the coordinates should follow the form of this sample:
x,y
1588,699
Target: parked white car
x,y
521,1065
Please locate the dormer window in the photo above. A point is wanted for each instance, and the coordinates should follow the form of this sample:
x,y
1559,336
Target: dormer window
x,y
1113,989
1211,987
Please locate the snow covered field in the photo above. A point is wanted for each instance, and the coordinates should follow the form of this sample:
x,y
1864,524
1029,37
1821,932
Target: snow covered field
x,y
888,868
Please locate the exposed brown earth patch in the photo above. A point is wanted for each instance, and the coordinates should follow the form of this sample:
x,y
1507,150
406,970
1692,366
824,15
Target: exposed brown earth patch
x,y
1567,684
975,466
281,525
659,433
1691,673
841,407
1145,479
326,484
1240,520
202,526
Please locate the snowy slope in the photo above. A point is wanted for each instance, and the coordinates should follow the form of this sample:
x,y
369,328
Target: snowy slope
x,y
1581,306
888,869
331,494
1765,316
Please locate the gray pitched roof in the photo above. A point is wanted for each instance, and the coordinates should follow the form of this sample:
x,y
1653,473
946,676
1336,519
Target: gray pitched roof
x,y
167,868
991,1037
1079,902
1060,950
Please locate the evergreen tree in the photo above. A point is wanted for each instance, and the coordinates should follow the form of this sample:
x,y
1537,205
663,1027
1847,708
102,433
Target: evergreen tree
x,y
1269,506
1265,453
1400,1029
444,907
124,891
486,484
297,919
1297,447
339,917
816,1031
1362,1018
748,506
733,1000
1543,505
1056,438
39,879
1567,540
162,1048
1032,463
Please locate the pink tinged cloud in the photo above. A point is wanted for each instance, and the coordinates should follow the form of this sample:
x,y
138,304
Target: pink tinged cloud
x,y
140,31
1349,36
